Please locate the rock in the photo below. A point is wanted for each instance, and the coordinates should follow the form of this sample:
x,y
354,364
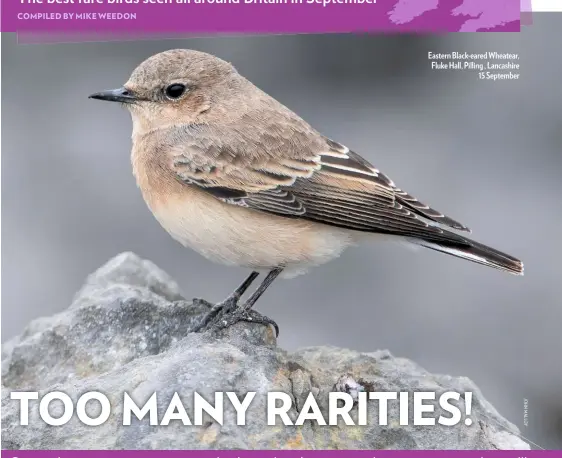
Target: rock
x,y
127,330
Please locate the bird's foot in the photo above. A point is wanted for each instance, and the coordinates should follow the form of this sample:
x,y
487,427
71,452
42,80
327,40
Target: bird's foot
x,y
226,319
225,307
226,313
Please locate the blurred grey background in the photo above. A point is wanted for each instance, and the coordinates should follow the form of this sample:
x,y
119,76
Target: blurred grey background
x,y
487,153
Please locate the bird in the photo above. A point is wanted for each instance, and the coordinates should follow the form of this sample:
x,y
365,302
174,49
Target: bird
x,y
235,175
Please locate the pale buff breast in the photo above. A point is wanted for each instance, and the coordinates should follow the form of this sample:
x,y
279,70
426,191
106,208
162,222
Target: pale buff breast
x,y
234,235
238,236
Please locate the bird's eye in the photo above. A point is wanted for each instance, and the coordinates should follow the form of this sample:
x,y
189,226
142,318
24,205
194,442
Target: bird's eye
x,y
175,91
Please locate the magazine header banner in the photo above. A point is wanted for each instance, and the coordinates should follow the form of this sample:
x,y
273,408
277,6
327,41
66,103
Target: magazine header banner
x,y
211,17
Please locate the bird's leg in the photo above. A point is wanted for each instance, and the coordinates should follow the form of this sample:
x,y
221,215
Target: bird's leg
x,y
228,305
245,312
268,280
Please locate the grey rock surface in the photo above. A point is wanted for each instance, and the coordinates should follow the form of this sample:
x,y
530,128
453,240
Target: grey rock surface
x,y
127,330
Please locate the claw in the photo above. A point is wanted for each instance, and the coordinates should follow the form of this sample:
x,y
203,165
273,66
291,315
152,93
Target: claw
x,y
250,316
198,301
227,313
216,310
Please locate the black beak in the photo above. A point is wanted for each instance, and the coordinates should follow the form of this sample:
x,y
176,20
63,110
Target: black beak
x,y
122,95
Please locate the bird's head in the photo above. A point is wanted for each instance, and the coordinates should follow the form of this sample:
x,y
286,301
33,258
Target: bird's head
x,y
173,87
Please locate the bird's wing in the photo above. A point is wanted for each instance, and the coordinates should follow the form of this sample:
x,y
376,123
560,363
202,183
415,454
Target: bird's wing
x,y
333,185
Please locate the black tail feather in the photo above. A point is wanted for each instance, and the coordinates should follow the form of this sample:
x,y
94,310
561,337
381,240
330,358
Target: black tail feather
x,y
476,252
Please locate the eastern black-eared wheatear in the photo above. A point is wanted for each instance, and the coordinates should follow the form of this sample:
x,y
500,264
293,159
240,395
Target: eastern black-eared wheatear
x,y
233,174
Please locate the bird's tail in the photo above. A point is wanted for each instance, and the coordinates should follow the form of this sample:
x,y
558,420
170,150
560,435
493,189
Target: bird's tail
x,y
476,252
